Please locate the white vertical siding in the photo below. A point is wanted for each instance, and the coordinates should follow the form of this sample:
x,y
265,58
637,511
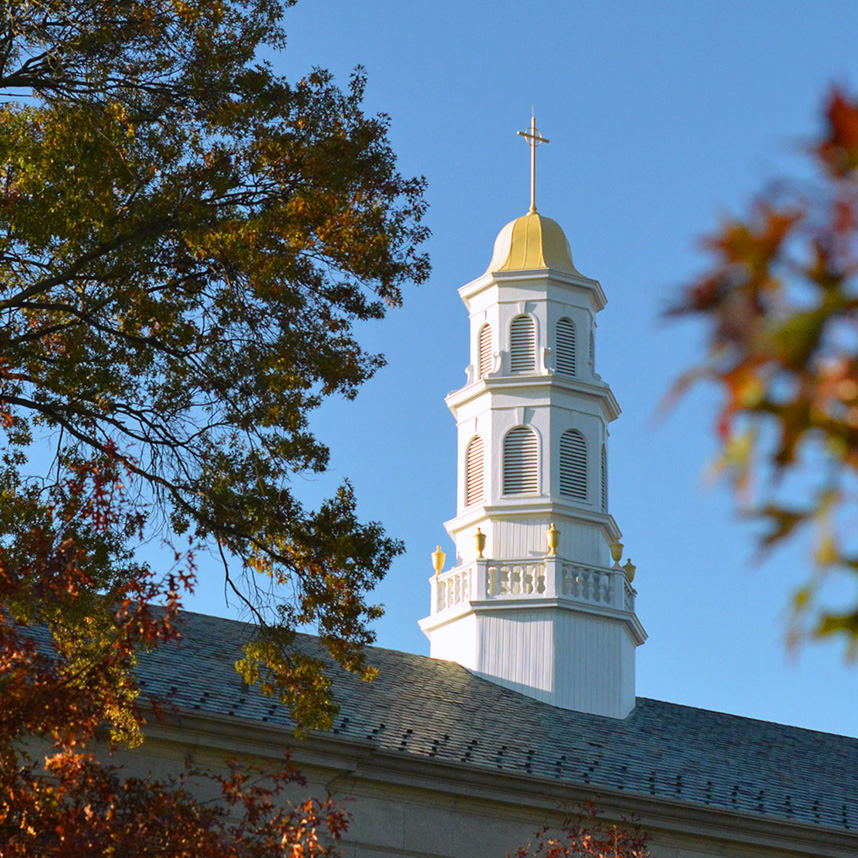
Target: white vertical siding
x,y
568,659
525,538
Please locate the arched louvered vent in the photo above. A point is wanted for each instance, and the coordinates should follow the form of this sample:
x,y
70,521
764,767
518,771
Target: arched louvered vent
x,y
604,478
566,348
474,471
520,462
573,465
485,350
522,345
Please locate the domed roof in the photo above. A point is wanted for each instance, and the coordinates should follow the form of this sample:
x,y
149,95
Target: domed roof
x,y
532,241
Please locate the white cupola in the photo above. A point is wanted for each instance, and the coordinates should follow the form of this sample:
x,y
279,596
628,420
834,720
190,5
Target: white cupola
x,y
533,601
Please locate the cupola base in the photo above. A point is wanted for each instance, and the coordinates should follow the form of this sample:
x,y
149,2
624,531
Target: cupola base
x,y
557,653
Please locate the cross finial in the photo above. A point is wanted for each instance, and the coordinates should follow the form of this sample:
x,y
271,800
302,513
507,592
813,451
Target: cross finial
x,y
534,138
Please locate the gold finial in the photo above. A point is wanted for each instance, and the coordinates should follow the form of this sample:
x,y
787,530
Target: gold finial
x,y
438,558
617,553
534,138
630,570
553,539
481,543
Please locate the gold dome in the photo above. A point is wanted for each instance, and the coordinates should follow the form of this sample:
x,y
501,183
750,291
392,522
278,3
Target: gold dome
x,y
532,241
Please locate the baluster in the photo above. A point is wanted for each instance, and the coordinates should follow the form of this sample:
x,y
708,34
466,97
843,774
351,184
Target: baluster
x,y
527,579
540,578
629,596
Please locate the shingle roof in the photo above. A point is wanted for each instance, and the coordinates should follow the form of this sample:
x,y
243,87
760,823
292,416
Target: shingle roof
x,y
428,708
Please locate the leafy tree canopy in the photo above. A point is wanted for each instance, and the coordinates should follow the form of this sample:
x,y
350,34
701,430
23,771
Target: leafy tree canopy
x,y
780,308
186,242
65,679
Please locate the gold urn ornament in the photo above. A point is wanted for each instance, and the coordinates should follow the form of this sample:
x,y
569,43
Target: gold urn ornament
x,y
630,570
438,558
617,552
553,539
480,538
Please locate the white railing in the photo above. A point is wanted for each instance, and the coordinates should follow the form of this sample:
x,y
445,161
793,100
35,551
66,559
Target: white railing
x,y
598,585
548,577
452,588
515,578
629,594
587,585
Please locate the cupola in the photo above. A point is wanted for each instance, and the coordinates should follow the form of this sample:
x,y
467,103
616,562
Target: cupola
x,y
532,600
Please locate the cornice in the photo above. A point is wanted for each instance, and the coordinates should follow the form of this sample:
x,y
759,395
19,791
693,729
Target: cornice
x,y
530,276
506,604
536,382
524,507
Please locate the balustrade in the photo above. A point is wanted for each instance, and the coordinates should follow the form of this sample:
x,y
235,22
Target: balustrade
x,y
453,588
515,578
628,595
587,585
493,579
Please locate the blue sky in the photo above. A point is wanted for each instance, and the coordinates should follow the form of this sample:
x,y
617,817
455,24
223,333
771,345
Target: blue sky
x,y
663,117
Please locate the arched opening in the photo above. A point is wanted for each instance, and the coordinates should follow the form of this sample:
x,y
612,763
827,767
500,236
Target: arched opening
x,y
485,350
520,462
474,471
522,345
573,465
566,348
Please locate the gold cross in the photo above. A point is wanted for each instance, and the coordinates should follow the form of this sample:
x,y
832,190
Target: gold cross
x,y
534,138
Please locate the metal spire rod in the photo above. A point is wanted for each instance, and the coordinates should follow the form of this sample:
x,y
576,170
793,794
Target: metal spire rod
x,y
534,138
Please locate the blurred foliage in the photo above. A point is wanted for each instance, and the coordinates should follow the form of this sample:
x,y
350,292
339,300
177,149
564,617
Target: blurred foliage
x,y
780,309
186,243
586,833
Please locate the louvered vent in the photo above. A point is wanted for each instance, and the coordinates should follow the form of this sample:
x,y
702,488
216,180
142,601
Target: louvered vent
x,y
485,350
474,472
522,345
604,479
573,465
566,347
520,462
